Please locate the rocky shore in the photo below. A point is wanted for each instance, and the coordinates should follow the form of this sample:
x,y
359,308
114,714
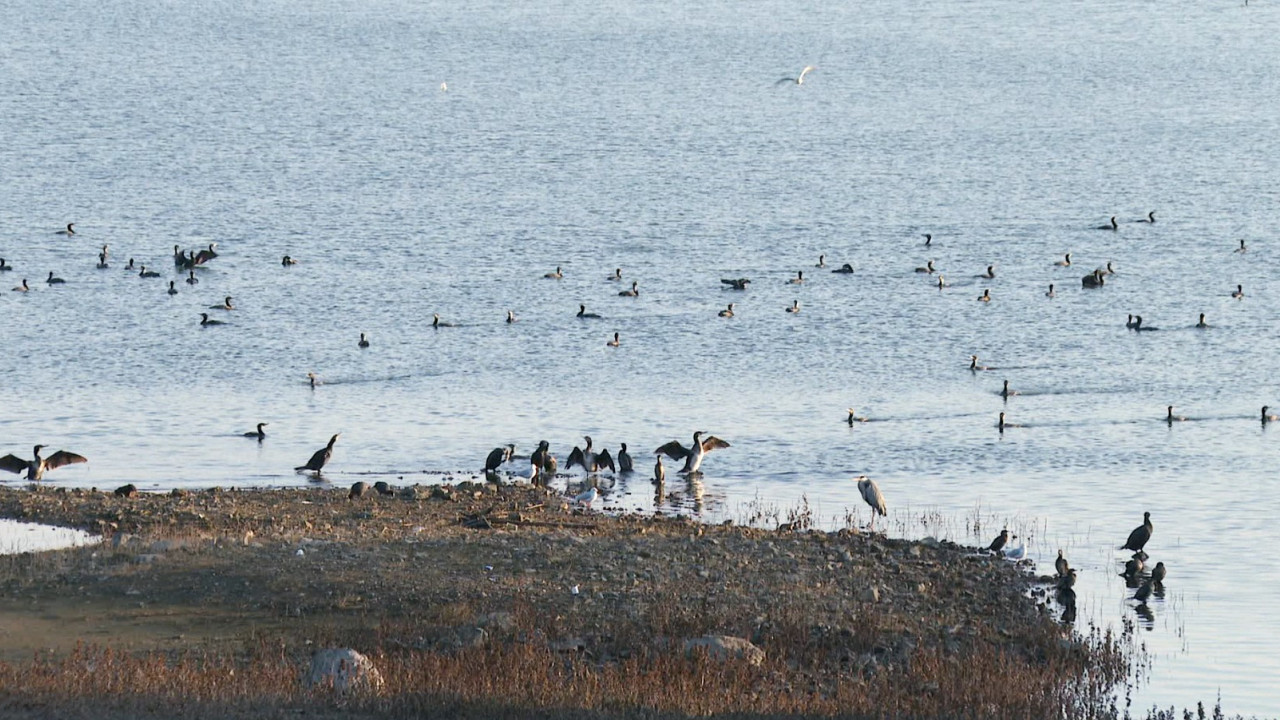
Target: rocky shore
x,y
478,601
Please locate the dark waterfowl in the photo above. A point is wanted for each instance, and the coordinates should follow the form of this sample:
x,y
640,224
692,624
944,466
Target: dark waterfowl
x,y
54,280
511,317
1150,219
5,267
625,464
1061,565
1133,568
617,274
436,322
1202,324
1171,418
738,284
1094,279
70,229
1268,417
998,544
727,312
1050,293
990,273
1242,247
286,261
973,364
206,322
145,273
1141,535
1138,326
172,290
38,466
358,489
928,240
822,261
1239,293
798,279
845,269
224,305
854,417
1065,261
985,296
615,342
795,307
382,488
942,282
102,258
633,292
320,458
1158,574
497,457
872,496
659,473
693,454
129,267
582,313
589,459
364,342
23,287
554,275
191,276
258,434
1144,592
1111,224
928,268
206,255
1005,392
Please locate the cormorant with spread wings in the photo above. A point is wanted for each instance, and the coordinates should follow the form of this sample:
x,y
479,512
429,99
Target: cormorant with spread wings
x,y
36,468
693,454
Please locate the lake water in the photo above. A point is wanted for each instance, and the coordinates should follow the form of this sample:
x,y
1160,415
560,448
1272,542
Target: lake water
x,y
652,137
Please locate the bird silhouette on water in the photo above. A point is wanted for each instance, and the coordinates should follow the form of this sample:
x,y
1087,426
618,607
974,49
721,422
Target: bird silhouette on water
x,y
1140,536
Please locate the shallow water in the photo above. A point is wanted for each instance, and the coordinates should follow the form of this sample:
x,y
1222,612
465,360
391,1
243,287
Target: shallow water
x,y
19,537
652,137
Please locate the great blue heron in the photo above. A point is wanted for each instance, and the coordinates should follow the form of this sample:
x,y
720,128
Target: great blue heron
x,y
871,495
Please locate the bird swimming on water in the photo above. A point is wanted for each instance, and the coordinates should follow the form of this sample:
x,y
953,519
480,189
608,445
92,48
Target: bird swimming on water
x,y
617,274
23,287
143,272
845,269
928,268
985,296
1171,418
1242,247
693,454
1140,535
1065,261
1138,326
511,317
364,342
205,321
727,312
798,279
990,273
928,240
854,417
191,276
736,284
554,275
287,261
436,322
224,305
973,364
1238,294
37,467
4,267
1005,392
822,261
795,307
1150,219
633,292
1095,279
1001,424
582,313
320,458
1267,417
1051,293
1111,224
172,290
54,280
69,230
797,80
1202,324
871,495
615,342
258,434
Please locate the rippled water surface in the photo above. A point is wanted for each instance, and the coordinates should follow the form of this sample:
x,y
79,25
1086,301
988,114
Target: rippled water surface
x,y
652,137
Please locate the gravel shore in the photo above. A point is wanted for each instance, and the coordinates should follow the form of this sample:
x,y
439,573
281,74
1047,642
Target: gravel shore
x,y
844,622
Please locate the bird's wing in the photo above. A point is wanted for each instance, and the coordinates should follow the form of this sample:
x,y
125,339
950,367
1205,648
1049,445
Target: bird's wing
x,y
576,457
317,460
13,463
712,443
605,460
62,457
673,450
871,493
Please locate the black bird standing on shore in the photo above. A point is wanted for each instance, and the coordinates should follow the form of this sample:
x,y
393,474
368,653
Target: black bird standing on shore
x,y
998,544
320,458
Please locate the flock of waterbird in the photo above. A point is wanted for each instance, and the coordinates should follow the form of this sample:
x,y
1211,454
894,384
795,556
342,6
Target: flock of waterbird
x,y
542,465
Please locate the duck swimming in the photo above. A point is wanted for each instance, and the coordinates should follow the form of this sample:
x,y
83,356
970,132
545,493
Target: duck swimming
x,y
854,417
615,342
1051,293
225,305
1111,224
1202,324
928,268
205,321
985,296
990,273
1065,261
191,276
738,284
1137,325
942,281
511,317
364,342
633,292
145,273
617,274
1094,279
727,312
23,287
582,313
1170,418
258,434
1268,417
54,280
822,261
69,230
795,307
1239,293
172,290
1242,248
554,275
4,267
798,279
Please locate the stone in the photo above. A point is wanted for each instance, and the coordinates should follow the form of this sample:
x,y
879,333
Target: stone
x,y
343,671
725,647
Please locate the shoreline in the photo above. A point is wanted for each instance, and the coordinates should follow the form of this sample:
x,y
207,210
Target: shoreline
x,y
472,576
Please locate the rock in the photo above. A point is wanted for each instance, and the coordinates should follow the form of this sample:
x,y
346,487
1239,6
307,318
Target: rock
x,y
870,594
127,491
930,542
344,671
498,621
724,647
467,637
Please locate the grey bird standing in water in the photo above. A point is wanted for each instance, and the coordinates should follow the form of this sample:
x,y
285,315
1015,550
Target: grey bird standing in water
x,y
37,467
1140,535
871,495
320,458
